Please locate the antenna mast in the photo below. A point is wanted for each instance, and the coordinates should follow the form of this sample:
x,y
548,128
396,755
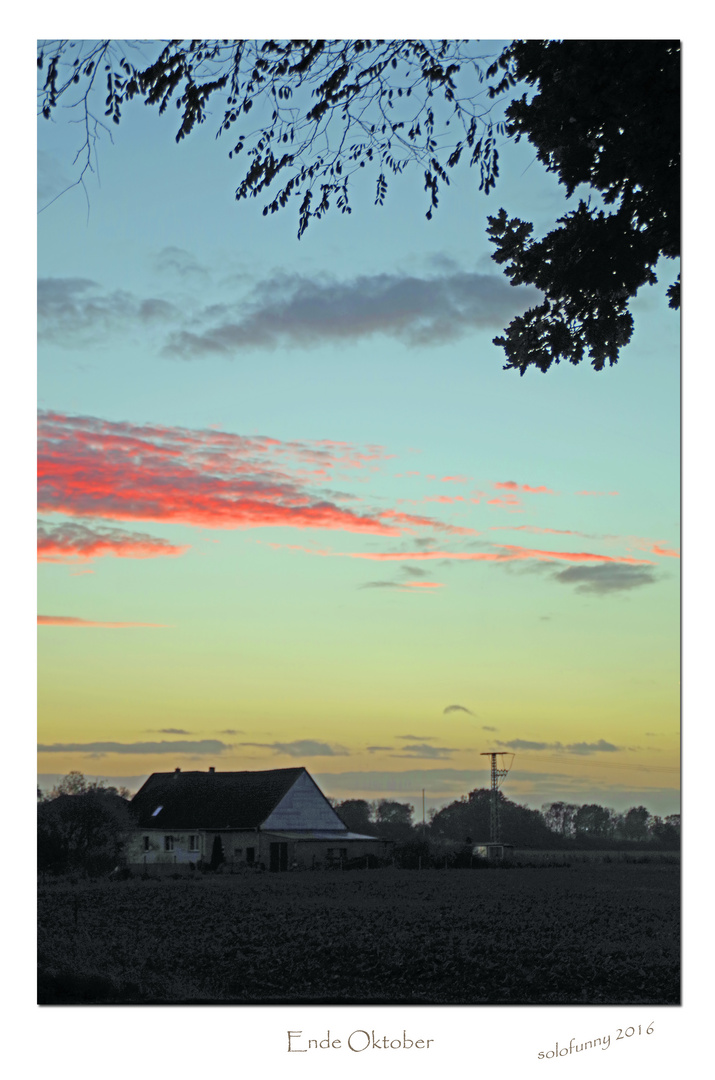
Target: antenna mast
x,y
498,775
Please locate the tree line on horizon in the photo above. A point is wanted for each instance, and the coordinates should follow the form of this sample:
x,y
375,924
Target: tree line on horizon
x,y
467,821
82,826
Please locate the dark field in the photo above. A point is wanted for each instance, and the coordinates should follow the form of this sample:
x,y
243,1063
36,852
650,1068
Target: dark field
x,y
590,933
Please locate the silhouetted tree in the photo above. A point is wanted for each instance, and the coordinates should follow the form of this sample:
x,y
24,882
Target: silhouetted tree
x,y
607,115
603,113
665,833
357,815
635,824
393,820
81,826
559,817
471,816
593,821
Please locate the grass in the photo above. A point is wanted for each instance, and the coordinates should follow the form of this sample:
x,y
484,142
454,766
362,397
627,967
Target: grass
x,y
590,933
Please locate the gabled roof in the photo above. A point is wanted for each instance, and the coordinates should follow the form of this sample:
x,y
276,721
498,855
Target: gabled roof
x,y
211,800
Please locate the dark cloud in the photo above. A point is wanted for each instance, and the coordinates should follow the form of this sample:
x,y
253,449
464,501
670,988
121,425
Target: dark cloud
x,y
290,309
613,577
301,748
372,749
380,585
230,731
413,571
178,261
458,708
203,746
173,731
422,750
416,738
485,727
526,744
570,748
593,748
72,310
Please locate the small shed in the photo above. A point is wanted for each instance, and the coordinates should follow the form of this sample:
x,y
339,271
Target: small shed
x,y
490,850
273,820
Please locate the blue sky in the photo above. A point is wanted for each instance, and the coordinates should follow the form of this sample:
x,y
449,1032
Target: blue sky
x,y
166,304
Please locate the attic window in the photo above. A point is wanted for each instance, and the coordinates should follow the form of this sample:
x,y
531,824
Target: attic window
x,y
157,810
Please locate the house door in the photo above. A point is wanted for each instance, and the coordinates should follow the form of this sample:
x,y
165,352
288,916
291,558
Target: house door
x,y
279,856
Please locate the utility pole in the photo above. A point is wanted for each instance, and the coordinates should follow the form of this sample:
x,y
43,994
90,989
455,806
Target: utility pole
x,y
497,775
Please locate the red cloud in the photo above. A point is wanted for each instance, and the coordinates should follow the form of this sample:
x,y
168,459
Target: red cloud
x,y
657,550
73,542
423,585
511,485
68,620
127,472
507,553
411,520
510,501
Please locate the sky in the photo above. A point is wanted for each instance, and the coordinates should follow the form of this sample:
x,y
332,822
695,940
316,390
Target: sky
x,y
293,511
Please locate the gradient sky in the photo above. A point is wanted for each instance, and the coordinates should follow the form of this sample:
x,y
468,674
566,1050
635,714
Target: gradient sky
x,y
293,511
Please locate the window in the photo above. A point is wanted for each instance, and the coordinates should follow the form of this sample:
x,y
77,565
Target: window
x,y
330,853
343,853
146,843
158,809
193,843
238,851
250,854
168,843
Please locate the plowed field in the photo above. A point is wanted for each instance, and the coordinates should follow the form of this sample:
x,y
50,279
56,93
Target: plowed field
x,y
585,934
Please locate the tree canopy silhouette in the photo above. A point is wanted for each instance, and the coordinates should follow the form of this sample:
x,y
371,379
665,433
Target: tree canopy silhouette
x,y
605,114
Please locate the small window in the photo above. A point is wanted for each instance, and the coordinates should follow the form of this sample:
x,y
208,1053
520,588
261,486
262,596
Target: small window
x,y
250,854
331,853
193,843
343,853
157,811
168,843
146,843
238,851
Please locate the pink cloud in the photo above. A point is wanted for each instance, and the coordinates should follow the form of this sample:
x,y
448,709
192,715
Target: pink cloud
x,y
511,485
597,494
69,621
454,480
506,553
89,467
657,550
412,521
73,542
444,498
538,529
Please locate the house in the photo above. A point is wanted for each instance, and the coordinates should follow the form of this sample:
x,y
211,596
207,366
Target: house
x,y
276,820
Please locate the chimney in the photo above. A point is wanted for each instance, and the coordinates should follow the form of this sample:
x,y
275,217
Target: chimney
x,y
211,768
176,773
